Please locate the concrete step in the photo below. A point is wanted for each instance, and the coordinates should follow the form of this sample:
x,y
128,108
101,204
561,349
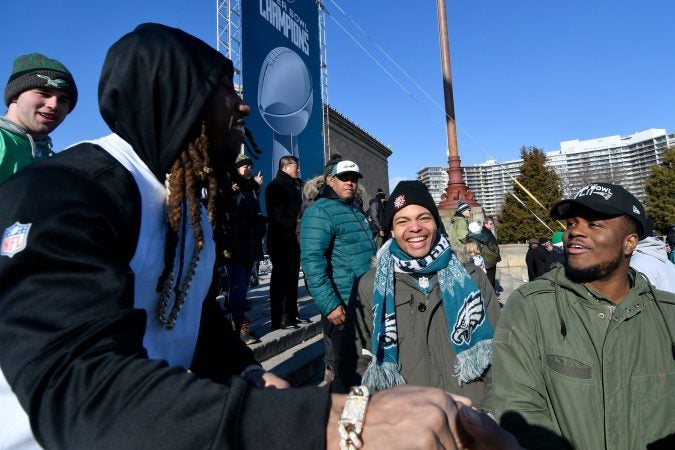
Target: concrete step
x,y
301,365
274,342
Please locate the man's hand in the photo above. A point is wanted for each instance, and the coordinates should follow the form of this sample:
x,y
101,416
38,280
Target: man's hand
x,y
337,316
259,178
274,382
417,417
403,417
260,378
484,432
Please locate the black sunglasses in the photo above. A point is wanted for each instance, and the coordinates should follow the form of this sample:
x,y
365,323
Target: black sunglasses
x,y
348,177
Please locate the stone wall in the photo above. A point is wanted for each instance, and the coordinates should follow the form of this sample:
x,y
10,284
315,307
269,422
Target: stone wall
x,y
353,143
513,262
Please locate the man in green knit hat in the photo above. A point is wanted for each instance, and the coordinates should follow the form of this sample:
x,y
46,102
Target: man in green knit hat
x,y
40,93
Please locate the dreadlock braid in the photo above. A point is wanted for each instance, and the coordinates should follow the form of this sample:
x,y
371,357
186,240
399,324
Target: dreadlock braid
x,y
201,162
212,183
188,176
175,194
175,183
193,194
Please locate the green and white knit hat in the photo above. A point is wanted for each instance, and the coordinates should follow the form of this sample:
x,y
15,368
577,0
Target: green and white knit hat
x,y
37,71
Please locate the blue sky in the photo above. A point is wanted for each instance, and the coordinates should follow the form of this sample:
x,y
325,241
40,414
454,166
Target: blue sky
x,y
524,73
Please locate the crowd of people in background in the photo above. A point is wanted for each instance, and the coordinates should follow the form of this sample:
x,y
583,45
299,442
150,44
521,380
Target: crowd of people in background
x,y
114,252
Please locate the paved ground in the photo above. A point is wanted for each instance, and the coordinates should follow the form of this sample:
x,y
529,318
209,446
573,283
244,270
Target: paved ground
x,y
296,355
260,307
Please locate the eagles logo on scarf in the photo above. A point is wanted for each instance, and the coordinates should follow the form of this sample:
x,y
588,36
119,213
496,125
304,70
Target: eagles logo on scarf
x,y
390,334
469,317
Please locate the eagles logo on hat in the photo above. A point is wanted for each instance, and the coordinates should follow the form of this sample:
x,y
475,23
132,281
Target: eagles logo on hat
x,y
605,198
34,71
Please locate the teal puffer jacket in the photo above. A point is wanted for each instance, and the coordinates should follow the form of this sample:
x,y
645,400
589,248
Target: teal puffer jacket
x,y
336,245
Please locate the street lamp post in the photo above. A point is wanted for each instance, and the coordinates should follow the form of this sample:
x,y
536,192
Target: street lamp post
x,y
456,188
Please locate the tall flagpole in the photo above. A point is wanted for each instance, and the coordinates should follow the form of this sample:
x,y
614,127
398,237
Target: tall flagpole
x,y
456,188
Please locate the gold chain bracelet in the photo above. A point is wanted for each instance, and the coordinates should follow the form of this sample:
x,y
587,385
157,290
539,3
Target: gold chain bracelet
x,y
352,418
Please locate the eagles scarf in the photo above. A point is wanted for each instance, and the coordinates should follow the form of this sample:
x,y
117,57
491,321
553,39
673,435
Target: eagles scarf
x,y
469,330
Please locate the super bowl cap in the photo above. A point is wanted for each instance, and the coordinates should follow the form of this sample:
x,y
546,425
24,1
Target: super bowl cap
x,y
605,198
346,166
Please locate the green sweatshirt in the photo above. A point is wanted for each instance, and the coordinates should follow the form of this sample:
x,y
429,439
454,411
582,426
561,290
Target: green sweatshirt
x,y
16,152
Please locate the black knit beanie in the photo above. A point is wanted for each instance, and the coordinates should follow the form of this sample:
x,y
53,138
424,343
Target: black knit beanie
x,y
411,193
380,194
37,71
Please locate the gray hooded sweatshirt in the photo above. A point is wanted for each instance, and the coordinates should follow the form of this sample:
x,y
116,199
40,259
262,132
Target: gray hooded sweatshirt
x,y
650,258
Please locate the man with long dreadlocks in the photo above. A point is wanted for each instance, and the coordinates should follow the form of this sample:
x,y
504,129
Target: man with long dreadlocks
x,y
103,281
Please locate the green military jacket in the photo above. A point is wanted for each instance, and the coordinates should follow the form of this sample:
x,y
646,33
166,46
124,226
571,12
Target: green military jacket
x,y
457,232
570,368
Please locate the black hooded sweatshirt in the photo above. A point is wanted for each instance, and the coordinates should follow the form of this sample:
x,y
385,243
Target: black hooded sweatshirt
x,y
71,330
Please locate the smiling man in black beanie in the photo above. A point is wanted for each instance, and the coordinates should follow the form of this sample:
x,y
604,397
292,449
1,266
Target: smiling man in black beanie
x,y
420,317
39,95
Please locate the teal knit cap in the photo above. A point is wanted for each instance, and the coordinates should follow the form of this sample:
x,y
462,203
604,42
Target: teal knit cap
x,y
38,71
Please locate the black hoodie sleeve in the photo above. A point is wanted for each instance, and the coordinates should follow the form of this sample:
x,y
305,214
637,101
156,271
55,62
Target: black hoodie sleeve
x,y
72,343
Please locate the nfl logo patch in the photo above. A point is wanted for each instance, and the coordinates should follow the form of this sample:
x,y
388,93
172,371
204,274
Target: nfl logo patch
x,y
14,239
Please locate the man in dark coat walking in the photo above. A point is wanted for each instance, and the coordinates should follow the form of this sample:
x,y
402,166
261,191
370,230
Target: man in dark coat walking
x,y
376,216
540,256
492,248
529,259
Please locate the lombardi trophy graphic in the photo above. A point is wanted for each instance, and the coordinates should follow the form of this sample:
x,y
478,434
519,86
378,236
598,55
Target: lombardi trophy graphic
x,y
285,96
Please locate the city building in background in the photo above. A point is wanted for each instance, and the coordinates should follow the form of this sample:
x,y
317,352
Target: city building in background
x,y
491,182
623,160
435,179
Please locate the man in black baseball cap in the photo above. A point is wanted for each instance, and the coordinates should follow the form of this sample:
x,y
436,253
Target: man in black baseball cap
x,y
584,334
607,199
